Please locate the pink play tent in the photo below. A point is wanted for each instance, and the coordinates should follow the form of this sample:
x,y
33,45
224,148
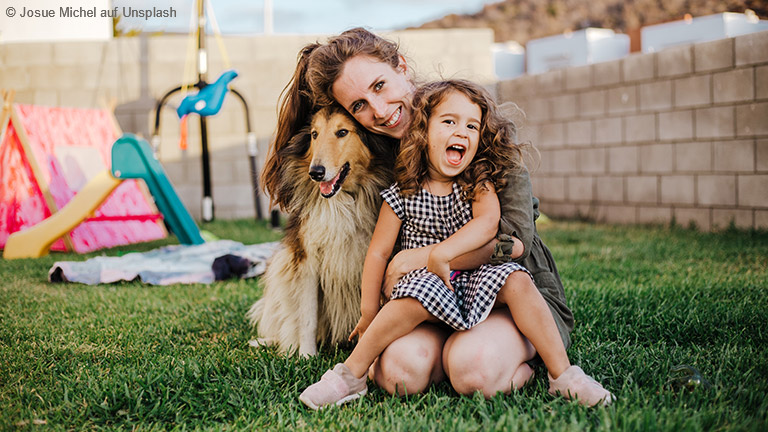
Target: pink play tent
x,y
47,155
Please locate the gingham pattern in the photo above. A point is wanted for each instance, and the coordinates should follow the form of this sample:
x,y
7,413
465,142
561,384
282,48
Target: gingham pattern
x,y
429,219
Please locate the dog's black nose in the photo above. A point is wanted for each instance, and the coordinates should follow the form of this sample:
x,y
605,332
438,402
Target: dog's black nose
x,y
317,172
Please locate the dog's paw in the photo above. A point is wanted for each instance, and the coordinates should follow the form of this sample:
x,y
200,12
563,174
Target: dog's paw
x,y
308,351
260,342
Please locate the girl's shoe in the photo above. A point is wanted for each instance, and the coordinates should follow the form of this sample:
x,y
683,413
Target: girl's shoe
x,y
575,384
336,387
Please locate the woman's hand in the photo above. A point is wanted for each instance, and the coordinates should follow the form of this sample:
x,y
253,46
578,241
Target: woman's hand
x,y
362,326
439,264
403,262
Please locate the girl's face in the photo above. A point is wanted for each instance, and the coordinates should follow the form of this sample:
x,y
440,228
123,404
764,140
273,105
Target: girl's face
x,y
453,133
377,95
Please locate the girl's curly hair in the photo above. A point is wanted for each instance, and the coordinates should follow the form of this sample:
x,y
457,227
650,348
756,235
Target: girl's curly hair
x,y
497,152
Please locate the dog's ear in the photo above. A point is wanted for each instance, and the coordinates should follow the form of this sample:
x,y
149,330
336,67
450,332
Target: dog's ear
x,y
298,145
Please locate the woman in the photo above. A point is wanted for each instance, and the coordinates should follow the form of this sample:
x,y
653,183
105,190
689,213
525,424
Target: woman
x,y
370,78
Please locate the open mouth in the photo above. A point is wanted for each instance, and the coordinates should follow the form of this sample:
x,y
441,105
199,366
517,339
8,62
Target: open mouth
x,y
394,118
455,154
329,188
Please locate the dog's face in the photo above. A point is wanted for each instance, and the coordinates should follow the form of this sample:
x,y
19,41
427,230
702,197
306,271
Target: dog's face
x,y
337,152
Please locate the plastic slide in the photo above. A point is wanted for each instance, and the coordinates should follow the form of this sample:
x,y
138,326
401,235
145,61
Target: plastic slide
x,y
35,241
132,158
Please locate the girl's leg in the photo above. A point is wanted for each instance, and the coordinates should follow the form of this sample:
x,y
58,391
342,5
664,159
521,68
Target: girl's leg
x,y
489,357
396,319
411,363
534,319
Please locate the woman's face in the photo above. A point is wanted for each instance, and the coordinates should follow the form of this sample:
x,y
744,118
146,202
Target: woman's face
x,y
377,95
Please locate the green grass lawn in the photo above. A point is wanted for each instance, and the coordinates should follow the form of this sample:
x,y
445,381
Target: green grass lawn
x,y
128,356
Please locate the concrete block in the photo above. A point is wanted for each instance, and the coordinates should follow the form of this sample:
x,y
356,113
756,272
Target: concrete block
x,y
675,61
592,160
701,218
751,119
654,215
563,161
608,130
753,190
640,128
578,133
549,188
638,67
716,122
551,135
761,155
761,82
536,109
655,95
614,214
81,53
644,190
761,219
693,157
677,125
734,86
623,160
678,189
606,73
714,55
692,91
735,156
622,100
657,158
169,49
592,103
561,210
716,190
580,188
564,106
546,164
610,189
751,48
15,77
27,54
723,218
550,82
579,77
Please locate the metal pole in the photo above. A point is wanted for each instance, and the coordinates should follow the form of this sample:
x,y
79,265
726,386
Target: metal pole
x,y
202,73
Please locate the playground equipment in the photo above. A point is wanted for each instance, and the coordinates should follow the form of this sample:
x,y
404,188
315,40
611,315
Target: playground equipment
x,y
132,158
207,102
47,156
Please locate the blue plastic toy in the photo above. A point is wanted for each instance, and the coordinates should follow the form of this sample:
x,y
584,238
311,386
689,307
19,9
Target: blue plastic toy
x,y
207,101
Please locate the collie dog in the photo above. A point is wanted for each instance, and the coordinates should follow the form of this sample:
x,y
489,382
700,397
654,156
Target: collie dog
x,y
312,283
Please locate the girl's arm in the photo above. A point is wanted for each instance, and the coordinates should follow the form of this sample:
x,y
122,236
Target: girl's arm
x,y
379,251
475,234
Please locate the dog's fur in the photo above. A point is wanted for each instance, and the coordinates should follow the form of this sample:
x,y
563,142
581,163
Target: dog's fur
x,y
312,283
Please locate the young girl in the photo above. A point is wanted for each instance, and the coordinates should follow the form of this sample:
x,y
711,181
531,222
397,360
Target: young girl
x,y
453,159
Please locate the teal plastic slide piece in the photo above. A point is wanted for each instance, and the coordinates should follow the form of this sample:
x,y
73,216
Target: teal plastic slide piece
x,y
132,158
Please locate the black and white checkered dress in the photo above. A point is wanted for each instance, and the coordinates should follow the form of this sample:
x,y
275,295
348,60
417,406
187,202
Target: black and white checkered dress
x,y
429,219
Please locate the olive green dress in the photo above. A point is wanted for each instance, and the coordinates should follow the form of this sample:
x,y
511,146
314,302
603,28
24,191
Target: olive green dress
x,y
519,211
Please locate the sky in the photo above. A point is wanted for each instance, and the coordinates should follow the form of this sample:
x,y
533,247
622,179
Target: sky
x,y
302,16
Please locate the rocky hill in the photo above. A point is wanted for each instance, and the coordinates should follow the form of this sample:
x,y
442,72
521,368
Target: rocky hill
x,y
521,20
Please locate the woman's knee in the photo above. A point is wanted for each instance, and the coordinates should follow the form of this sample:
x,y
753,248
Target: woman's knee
x,y
410,364
487,357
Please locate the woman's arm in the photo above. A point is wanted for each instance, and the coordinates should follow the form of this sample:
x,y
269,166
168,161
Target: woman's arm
x,y
519,210
383,241
475,234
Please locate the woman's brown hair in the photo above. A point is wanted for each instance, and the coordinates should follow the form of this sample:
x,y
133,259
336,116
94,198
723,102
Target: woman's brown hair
x,y
497,152
318,67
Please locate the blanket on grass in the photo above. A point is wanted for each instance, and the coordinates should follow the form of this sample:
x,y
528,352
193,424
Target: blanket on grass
x,y
203,263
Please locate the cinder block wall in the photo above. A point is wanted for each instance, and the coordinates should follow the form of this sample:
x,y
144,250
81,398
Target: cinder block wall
x,y
680,135
89,74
